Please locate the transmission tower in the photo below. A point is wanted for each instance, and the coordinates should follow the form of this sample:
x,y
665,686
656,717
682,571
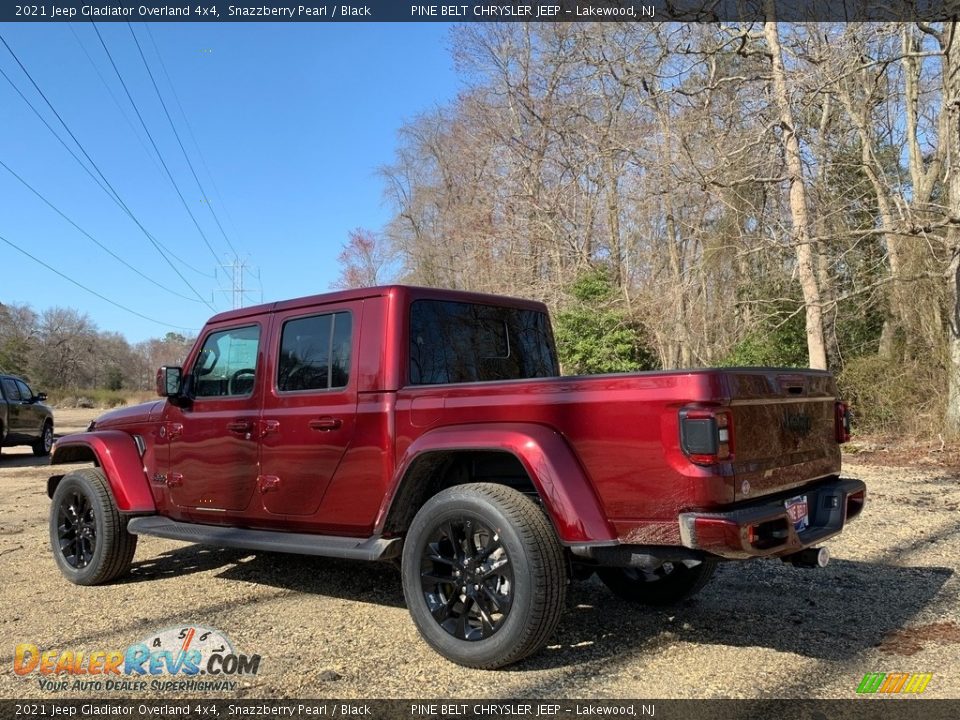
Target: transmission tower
x,y
237,271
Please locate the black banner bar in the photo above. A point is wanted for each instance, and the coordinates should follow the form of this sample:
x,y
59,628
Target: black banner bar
x,y
471,11
888,708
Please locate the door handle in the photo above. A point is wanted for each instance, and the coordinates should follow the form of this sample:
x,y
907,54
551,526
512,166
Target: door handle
x,y
240,426
325,424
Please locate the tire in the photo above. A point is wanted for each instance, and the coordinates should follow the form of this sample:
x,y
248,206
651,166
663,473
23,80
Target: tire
x,y
507,549
43,446
668,584
88,536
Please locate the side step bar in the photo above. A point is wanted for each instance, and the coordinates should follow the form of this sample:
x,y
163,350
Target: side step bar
x,y
373,548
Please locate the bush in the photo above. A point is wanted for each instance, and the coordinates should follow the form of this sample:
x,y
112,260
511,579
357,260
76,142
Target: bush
x,y
893,396
96,398
591,342
772,346
594,336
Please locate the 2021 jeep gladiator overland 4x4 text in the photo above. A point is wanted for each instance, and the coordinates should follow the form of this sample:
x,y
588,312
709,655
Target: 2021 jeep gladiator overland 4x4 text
x,y
433,427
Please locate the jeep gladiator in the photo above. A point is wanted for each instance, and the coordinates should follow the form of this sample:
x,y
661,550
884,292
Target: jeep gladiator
x,y
433,429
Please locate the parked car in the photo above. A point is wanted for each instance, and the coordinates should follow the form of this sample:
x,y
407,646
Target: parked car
x,y
24,418
433,428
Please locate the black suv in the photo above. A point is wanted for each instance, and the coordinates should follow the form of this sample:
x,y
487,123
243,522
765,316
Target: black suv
x,y
24,419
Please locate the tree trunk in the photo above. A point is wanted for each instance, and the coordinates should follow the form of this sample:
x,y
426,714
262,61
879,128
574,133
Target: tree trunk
x,y
806,253
951,102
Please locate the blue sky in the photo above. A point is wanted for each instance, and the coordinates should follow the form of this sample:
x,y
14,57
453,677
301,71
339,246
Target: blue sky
x,y
292,120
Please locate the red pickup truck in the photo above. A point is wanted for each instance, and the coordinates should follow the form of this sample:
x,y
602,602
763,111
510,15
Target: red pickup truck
x,y
433,428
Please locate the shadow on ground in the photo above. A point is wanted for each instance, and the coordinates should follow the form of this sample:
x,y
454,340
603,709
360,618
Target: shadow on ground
x,y
829,614
833,614
21,460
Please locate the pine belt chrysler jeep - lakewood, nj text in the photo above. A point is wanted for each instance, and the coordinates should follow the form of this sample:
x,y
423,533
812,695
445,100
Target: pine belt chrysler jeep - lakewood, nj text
x,y
432,428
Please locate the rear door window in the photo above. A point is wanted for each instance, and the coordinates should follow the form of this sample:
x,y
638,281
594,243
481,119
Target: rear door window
x,y
315,353
10,389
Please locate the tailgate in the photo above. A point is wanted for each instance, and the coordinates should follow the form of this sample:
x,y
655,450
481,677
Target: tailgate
x,y
784,425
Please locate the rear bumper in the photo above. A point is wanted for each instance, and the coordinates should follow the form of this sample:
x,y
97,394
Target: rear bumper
x,y
762,528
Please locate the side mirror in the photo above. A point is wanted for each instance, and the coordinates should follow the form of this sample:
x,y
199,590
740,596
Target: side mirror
x,y
41,397
168,381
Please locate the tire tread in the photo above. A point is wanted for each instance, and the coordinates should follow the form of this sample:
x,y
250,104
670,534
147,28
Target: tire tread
x,y
534,526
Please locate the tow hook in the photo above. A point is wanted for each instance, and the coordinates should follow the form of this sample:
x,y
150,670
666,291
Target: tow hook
x,y
809,558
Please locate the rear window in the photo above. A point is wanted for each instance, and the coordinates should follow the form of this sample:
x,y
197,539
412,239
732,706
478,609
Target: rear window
x,y
453,342
10,389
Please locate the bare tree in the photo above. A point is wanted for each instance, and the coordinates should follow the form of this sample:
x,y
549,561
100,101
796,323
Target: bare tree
x,y
365,260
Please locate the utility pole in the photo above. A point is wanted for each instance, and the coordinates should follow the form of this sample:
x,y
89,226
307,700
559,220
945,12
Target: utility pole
x,y
237,269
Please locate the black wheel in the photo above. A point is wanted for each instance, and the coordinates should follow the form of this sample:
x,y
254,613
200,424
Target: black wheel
x,y
668,584
42,447
88,536
483,575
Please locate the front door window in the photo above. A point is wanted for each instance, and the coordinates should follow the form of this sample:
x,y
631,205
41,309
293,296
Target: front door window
x,y
227,364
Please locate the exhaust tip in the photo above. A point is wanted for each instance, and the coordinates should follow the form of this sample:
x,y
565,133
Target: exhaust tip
x,y
810,558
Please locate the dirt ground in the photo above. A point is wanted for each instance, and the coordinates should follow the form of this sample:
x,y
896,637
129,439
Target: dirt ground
x,y
888,602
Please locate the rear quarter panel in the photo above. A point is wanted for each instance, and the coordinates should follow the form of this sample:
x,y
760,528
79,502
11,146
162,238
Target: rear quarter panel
x,y
622,429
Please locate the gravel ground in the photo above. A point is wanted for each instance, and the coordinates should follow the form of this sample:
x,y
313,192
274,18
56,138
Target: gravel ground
x,y
889,601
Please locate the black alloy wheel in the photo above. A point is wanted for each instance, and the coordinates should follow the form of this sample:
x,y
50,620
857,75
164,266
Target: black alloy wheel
x,y
467,579
76,529
484,574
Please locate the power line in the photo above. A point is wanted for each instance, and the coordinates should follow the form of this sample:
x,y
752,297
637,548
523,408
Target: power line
x,y
92,292
154,144
179,141
91,237
186,120
100,173
103,81
73,154
54,133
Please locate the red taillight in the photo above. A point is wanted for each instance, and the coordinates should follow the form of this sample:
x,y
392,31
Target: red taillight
x,y
706,435
843,422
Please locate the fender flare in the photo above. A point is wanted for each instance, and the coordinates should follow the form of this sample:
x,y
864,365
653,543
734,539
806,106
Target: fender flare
x,y
115,453
564,488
